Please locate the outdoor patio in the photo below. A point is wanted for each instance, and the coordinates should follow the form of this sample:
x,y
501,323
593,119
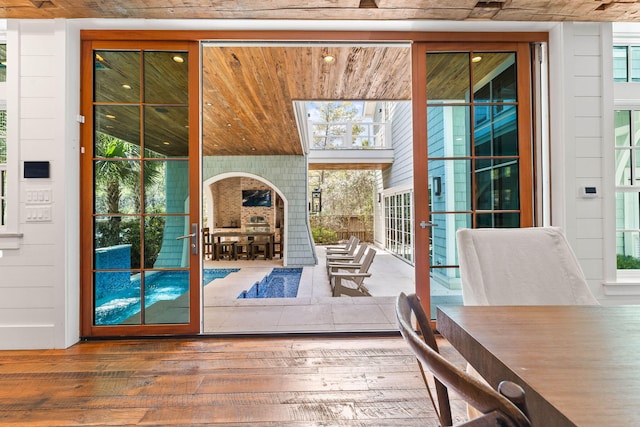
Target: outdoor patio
x,y
314,310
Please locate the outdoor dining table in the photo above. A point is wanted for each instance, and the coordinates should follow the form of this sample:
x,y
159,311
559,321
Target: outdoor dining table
x,y
250,235
579,365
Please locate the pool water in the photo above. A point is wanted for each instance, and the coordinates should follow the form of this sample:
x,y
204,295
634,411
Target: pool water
x,y
280,283
115,308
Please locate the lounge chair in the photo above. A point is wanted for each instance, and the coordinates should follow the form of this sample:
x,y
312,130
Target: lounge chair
x,y
348,250
341,247
350,283
348,262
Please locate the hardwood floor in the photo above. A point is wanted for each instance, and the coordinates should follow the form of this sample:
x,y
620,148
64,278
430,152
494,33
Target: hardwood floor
x,y
298,381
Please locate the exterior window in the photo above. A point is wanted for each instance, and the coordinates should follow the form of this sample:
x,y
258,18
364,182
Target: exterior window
x,y
627,179
3,168
3,62
626,63
398,210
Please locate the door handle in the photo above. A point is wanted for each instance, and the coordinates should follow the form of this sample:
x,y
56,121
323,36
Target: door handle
x,y
186,236
424,224
194,238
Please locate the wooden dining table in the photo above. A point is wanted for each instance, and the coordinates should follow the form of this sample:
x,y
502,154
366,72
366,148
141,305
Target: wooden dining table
x,y
579,365
250,235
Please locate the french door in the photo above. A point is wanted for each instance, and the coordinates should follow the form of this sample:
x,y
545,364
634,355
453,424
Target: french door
x,y
140,181
473,158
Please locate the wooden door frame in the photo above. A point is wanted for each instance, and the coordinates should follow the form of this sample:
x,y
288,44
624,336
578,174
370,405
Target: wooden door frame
x,y
87,327
420,180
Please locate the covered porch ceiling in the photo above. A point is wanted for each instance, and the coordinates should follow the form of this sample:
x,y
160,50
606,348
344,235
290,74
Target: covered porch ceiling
x,y
453,10
249,91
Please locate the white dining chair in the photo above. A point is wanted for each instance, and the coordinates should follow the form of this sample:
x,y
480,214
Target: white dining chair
x,y
520,266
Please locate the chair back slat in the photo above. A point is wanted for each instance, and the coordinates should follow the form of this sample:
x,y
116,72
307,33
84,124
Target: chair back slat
x,y
366,263
362,248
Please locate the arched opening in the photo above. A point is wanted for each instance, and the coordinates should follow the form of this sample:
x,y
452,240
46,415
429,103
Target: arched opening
x,y
243,202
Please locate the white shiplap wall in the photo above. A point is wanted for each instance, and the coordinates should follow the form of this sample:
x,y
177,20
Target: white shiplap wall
x,y
39,295
580,110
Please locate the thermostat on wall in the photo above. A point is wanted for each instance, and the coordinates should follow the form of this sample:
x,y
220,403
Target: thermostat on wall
x,y
589,192
36,169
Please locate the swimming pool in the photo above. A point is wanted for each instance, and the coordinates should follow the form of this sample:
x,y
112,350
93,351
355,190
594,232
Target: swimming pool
x,y
115,308
280,283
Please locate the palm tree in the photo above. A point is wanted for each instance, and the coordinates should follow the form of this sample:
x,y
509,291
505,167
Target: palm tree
x,y
117,181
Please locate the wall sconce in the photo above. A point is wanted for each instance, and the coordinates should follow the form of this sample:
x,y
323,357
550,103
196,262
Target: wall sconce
x,y
379,197
316,201
437,185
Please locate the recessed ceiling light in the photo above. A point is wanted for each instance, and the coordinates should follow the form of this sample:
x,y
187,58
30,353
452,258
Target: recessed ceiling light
x,y
179,59
126,86
328,59
253,148
476,59
208,104
229,124
166,143
110,116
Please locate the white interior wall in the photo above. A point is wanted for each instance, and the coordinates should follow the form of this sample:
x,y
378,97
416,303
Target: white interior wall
x,y
39,292
581,118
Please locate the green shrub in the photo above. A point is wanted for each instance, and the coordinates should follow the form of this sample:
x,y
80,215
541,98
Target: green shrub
x,y
627,262
323,235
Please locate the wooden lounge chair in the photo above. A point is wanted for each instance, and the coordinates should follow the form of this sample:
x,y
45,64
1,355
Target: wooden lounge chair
x,y
347,262
348,250
497,408
350,283
341,247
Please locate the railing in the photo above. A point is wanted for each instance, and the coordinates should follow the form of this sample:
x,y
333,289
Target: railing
x,y
349,135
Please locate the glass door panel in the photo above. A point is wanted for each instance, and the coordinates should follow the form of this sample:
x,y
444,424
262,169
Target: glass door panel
x,y
477,150
145,264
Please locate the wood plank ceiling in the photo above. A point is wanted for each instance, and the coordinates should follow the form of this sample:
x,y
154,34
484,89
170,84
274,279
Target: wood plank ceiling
x,y
456,10
248,92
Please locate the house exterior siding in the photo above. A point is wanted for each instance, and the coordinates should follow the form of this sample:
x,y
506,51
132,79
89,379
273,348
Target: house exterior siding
x,y
401,171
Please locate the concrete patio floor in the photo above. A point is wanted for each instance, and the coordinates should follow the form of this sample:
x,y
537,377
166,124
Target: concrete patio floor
x,y
314,309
